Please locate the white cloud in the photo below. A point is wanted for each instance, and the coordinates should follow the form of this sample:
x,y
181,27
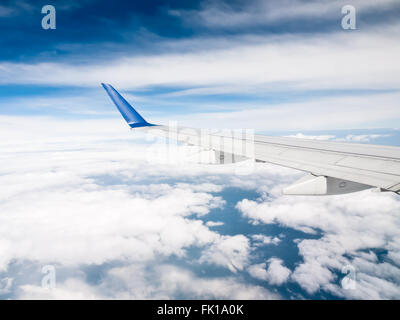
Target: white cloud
x,y
138,282
5,285
202,187
312,276
364,137
228,251
319,137
263,13
63,205
261,240
349,137
84,192
348,225
223,288
65,184
355,62
275,274
321,61
71,289
214,223
258,271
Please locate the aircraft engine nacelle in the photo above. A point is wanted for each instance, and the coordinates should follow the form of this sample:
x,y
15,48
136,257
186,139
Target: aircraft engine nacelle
x,y
320,185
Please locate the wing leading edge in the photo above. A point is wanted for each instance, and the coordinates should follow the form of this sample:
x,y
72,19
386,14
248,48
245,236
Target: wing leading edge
x,y
333,167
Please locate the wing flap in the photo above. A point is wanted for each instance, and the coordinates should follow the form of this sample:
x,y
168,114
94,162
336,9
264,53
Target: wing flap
x,y
376,165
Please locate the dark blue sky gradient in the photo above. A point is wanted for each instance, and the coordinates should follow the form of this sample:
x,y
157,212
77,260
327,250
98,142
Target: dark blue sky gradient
x,y
95,29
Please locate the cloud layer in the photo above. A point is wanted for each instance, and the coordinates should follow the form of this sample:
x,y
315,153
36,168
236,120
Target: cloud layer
x,y
86,200
99,206
350,228
336,61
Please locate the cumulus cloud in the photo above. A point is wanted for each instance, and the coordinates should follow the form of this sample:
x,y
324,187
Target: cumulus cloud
x,y
74,195
164,282
214,223
86,193
348,226
71,289
261,240
68,190
228,251
123,222
275,274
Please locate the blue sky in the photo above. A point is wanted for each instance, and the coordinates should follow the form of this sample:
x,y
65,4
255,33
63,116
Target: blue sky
x,y
180,58
95,29
116,222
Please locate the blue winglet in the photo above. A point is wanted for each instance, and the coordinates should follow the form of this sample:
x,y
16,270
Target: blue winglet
x,y
131,116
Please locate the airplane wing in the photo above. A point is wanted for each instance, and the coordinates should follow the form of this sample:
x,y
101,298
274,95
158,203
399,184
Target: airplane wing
x,y
332,167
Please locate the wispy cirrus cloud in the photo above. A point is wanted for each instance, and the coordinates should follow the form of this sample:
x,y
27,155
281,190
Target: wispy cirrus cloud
x,y
364,137
355,64
320,62
220,14
5,11
349,137
344,113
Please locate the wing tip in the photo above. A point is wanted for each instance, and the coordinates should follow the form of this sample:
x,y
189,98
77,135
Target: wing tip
x,y
131,116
